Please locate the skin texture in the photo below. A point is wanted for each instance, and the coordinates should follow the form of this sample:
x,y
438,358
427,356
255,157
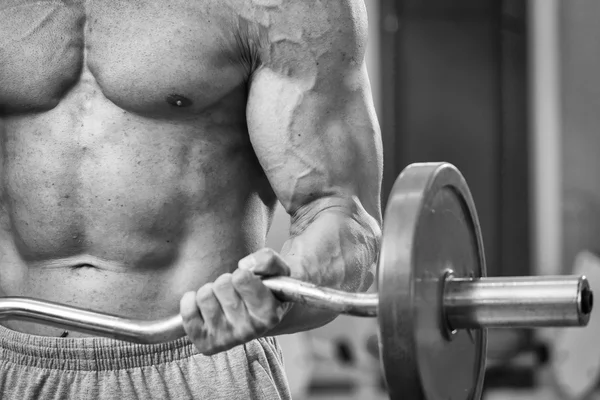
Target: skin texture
x,y
143,154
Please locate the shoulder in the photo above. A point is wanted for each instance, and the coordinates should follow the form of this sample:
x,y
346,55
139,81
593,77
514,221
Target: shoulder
x,y
327,23
287,31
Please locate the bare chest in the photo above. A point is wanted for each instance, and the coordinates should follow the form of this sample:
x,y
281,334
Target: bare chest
x,y
143,54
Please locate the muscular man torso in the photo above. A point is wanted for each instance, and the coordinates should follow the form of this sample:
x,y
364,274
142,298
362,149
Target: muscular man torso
x,y
127,173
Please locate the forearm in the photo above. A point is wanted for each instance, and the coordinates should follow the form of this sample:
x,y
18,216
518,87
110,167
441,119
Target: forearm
x,y
333,243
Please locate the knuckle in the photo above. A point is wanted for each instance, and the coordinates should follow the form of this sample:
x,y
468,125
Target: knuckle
x,y
205,293
242,277
268,251
231,302
187,306
266,255
222,281
249,259
188,314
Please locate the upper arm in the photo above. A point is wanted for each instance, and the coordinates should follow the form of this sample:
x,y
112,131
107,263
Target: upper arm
x,y
310,110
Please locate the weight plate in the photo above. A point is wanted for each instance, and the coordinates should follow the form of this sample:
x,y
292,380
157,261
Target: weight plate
x,y
575,355
430,228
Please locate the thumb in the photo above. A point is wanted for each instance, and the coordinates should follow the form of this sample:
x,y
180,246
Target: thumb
x,y
265,262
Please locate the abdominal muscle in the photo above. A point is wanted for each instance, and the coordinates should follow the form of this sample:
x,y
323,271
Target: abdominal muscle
x,y
109,211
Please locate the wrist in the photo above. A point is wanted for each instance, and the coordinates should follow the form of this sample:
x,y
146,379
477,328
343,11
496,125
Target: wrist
x,y
310,270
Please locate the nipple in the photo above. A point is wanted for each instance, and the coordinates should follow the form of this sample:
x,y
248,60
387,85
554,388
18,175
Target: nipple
x,y
177,100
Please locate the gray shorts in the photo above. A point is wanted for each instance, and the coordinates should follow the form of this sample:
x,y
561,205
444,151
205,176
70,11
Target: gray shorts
x,y
49,368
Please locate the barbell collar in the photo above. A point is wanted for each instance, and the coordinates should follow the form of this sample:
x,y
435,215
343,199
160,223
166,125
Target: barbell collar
x,y
517,302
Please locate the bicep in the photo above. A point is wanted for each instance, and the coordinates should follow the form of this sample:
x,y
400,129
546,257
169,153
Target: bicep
x,y
317,137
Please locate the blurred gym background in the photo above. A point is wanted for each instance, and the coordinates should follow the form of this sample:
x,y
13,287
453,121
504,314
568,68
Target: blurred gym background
x,y
509,91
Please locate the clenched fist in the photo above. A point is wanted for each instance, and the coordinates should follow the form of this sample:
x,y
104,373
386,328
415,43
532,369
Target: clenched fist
x,y
235,308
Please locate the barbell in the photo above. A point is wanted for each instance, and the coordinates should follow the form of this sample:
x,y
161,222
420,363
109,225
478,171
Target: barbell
x,y
434,301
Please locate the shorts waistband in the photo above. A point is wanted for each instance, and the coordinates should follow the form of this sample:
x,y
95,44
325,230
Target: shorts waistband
x,y
89,353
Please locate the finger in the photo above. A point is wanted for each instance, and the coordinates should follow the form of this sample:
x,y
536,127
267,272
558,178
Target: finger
x,y
297,265
262,306
209,307
193,323
232,305
265,262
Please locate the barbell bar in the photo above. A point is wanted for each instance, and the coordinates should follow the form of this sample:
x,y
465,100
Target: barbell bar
x,y
434,301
